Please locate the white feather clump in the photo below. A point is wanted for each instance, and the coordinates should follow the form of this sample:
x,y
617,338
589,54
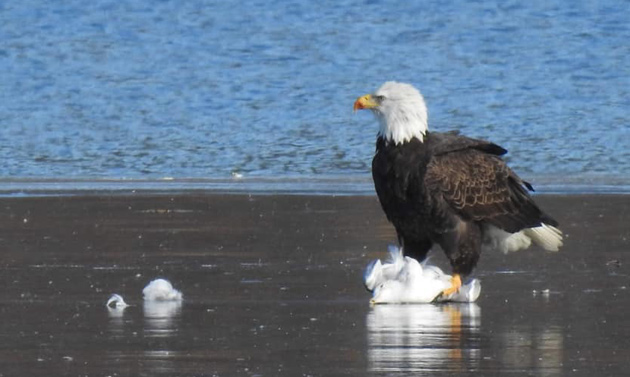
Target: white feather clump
x,y
405,280
161,290
116,301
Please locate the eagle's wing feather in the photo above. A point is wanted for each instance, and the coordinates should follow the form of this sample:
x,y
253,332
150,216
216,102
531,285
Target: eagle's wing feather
x,y
452,141
479,186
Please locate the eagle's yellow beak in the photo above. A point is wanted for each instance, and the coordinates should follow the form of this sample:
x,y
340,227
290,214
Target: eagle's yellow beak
x,y
365,102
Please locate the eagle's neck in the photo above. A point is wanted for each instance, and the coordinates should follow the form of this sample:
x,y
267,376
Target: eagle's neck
x,y
404,124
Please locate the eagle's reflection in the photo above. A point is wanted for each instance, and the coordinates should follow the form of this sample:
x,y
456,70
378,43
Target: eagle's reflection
x,y
416,338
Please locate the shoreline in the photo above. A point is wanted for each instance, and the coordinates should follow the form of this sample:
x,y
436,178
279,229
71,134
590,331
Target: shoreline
x,y
321,186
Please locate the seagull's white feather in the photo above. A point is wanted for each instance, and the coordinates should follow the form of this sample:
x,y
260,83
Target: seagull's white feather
x,y
404,280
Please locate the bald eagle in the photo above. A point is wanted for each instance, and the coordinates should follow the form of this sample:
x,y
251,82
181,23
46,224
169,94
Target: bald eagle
x,y
448,190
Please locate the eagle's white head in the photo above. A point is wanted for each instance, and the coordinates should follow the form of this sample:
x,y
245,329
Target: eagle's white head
x,y
400,109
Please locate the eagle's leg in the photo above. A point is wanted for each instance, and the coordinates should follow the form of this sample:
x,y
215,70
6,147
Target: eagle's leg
x,y
463,248
416,248
456,283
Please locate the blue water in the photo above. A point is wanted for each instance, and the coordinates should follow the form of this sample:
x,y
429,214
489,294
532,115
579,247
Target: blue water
x,y
145,89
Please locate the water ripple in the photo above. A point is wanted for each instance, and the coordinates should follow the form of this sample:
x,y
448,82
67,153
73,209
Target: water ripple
x,y
120,89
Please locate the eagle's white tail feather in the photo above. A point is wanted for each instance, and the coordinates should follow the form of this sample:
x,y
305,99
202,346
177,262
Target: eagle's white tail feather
x,y
497,239
546,236
516,241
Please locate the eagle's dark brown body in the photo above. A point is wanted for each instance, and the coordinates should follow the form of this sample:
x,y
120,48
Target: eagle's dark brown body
x,y
446,190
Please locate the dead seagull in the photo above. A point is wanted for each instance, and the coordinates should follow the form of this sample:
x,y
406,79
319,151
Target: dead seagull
x,y
405,280
161,290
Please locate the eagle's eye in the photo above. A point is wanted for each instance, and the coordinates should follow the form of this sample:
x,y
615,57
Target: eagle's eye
x,y
379,99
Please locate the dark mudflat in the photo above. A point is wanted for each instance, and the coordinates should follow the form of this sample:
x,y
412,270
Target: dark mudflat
x,y
273,286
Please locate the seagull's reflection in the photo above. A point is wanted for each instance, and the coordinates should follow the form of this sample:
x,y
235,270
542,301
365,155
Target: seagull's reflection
x,y
116,312
416,338
160,317
116,320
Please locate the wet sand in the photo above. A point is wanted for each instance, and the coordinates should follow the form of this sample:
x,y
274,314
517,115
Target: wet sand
x,y
273,286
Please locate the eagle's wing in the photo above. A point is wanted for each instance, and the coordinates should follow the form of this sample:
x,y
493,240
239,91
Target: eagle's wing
x,y
479,186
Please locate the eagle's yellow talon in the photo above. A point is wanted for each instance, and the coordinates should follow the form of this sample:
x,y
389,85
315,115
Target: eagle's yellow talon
x,y
456,283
